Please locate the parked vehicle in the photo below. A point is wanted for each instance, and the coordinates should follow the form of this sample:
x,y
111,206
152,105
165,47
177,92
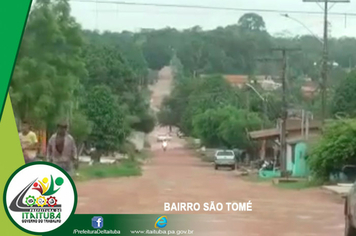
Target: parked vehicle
x,y
350,203
162,137
225,158
267,165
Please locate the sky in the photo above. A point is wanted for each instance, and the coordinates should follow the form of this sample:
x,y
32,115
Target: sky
x,y
116,17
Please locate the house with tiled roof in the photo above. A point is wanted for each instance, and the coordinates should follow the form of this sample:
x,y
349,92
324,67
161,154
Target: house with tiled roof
x,y
237,80
266,82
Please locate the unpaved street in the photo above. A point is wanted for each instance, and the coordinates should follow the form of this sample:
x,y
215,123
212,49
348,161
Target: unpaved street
x,y
178,176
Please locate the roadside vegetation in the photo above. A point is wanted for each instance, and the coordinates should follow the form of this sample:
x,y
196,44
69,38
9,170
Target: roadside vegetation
x,y
292,185
336,149
99,81
337,146
125,168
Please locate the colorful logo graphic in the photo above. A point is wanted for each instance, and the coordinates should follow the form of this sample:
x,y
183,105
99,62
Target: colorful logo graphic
x,y
45,189
43,204
97,222
161,222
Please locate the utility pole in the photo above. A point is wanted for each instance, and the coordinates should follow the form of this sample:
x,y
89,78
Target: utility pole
x,y
283,140
324,69
266,59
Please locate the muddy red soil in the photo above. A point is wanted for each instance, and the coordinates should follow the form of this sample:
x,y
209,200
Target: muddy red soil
x,y
177,176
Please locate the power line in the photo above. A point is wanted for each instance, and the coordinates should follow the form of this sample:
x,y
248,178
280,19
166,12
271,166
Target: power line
x,y
201,7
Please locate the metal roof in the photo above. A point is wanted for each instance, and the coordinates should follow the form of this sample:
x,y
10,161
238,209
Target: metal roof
x,y
267,133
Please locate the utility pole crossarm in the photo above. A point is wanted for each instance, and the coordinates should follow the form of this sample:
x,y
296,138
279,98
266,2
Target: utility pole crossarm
x,y
324,70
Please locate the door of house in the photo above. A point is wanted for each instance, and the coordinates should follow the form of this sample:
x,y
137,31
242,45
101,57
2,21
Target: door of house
x,y
300,165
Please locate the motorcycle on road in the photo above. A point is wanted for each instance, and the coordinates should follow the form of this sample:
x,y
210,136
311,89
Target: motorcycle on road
x,y
164,145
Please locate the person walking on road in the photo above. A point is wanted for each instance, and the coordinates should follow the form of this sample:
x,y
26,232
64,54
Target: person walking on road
x,y
29,142
61,149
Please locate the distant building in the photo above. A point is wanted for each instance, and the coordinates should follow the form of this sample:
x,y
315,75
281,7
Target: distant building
x,y
296,130
309,89
237,80
269,84
266,82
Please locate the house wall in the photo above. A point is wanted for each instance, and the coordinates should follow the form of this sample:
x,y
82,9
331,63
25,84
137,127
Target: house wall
x,y
296,162
289,158
298,133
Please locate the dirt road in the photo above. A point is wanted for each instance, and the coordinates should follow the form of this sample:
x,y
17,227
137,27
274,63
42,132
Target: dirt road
x,y
178,176
161,88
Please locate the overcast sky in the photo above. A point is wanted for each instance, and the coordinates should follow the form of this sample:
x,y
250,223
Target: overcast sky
x,y
115,17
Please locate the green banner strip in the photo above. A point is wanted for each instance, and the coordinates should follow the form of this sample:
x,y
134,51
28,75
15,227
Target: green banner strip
x,y
87,224
11,159
13,15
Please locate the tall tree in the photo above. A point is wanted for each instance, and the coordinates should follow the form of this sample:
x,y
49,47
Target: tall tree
x,y
344,99
110,126
252,22
49,64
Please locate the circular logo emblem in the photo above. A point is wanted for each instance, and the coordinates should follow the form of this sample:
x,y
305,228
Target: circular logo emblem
x,y
39,197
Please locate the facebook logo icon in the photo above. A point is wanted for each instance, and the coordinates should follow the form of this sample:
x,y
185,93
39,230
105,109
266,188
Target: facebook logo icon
x,y
97,222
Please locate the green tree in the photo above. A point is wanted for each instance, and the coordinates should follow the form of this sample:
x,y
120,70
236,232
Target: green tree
x,y
177,67
80,129
234,129
336,149
49,64
166,117
207,93
206,126
124,71
146,123
192,52
341,51
157,46
344,99
226,126
109,124
252,22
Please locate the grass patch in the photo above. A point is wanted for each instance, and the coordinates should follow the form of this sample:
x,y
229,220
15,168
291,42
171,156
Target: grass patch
x,y
256,179
304,184
98,171
129,167
298,185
